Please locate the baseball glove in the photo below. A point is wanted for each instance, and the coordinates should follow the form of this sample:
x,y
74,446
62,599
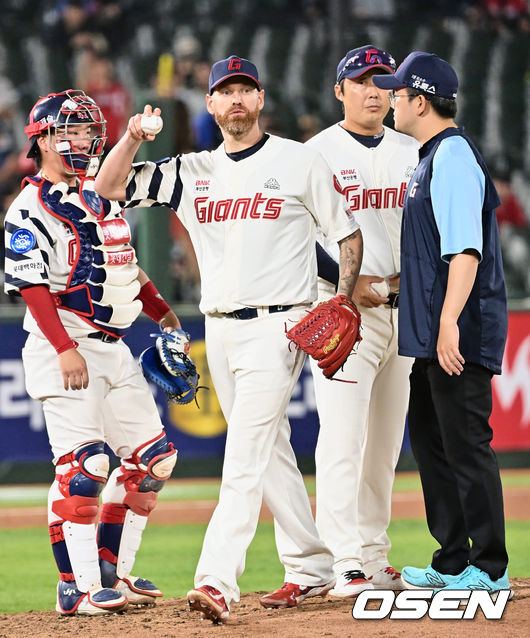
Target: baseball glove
x,y
328,333
168,366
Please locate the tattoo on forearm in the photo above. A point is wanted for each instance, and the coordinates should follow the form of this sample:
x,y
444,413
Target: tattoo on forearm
x,y
351,254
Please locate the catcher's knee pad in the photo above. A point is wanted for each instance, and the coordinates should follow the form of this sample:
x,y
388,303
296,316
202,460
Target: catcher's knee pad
x,y
80,477
145,472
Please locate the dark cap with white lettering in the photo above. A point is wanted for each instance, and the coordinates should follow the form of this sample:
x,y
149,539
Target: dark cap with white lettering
x,y
232,67
424,72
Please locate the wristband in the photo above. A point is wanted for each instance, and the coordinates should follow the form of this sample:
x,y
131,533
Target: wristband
x,y
153,304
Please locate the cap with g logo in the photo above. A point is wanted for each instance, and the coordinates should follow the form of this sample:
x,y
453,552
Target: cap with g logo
x,y
358,61
425,72
232,67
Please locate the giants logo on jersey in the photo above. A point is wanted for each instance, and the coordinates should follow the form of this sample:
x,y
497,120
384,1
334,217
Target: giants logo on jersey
x,y
363,198
259,207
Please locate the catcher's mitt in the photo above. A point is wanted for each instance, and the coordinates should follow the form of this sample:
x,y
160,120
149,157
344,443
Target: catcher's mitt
x,y
168,365
328,333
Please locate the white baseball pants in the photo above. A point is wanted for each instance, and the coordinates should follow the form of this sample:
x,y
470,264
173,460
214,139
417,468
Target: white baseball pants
x,y
117,407
361,432
254,374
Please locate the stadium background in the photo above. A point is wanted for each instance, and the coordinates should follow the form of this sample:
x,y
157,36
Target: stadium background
x,y
125,55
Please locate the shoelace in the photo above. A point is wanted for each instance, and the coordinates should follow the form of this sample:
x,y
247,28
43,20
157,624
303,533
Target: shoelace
x,y
288,586
354,574
392,572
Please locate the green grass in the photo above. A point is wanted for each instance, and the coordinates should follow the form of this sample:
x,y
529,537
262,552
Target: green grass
x,y
169,555
35,495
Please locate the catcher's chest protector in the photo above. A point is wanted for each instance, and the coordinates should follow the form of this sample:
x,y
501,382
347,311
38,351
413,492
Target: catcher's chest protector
x,y
103,281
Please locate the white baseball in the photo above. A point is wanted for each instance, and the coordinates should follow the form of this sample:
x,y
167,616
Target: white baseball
x,y
381,288
151,124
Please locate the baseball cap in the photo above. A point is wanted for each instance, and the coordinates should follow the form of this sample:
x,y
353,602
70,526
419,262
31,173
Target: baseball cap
x,y
358,61
425,72
231,67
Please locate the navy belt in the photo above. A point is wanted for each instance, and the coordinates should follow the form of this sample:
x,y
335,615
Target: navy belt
x,y
103,336
393,299
252,313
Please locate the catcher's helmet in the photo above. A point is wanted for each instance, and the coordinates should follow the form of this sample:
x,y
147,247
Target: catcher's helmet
x,y
58,112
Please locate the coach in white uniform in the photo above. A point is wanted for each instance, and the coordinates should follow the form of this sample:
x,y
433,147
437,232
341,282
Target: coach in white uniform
x,y
361,424
251,208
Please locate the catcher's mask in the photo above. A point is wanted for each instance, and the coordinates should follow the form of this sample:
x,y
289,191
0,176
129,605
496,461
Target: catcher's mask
x,y
75,118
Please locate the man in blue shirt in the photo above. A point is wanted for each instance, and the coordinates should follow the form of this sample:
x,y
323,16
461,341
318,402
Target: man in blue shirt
x,y
453,321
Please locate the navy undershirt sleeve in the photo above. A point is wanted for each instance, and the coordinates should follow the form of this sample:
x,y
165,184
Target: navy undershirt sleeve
x,y
328,268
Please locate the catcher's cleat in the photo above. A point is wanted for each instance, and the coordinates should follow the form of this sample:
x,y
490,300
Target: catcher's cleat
x,y
291,595
210,602
350,584
138,591
387,578
97,602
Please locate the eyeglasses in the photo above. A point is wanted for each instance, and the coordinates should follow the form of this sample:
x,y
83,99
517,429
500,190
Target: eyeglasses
x,y
392,97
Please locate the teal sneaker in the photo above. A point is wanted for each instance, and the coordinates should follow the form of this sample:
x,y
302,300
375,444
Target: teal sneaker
x,y
474,578
428,578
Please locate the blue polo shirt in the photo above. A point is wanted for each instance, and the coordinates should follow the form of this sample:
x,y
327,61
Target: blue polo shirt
x,y
450,207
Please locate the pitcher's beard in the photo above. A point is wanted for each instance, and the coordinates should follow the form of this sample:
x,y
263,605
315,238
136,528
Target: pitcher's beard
x,y
239,126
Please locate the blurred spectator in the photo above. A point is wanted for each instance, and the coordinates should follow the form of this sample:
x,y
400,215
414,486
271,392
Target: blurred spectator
x,y
206,133
185,276
113,98
499,14
308,126
75,22
373,9
510,211
164,87
8,150
515,236
191,72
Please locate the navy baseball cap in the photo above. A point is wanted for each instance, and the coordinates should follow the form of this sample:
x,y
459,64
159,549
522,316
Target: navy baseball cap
x,y
358,61
424,72
231,67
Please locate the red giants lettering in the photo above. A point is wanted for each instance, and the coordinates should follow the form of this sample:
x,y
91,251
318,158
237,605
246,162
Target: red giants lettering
x,y
363,198
259,207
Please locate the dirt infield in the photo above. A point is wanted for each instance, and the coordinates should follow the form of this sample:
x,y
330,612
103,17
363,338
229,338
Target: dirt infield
x,y
315,618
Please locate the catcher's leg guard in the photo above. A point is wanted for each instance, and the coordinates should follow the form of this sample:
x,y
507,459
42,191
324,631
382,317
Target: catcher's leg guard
x,y
128,498
72,509
73,504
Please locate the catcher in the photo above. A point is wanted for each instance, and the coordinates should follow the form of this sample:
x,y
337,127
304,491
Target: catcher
x,y
68,255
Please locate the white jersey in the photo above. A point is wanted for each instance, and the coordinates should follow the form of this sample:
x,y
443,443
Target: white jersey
x,y
374,181
252,222
78,247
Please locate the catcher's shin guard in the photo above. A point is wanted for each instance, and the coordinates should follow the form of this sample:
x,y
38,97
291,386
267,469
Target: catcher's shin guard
x,y
129,497
73,503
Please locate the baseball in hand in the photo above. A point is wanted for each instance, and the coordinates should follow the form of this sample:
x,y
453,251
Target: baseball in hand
x,y
381,288
151,124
